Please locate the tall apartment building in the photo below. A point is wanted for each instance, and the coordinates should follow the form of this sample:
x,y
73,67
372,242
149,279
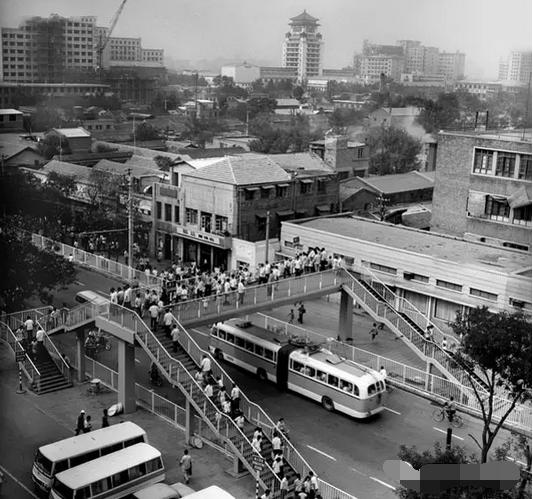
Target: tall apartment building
x,y
451,65
43,49
414,56
368,68
517,67
376,49
46,49
483,188
431,61
302,49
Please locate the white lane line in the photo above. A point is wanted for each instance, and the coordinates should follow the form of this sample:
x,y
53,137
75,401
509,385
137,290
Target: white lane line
x,y
393,411
382,483
138,361
357,471
200,332
454,436
105,293
79,283
509,458
323,453
19,483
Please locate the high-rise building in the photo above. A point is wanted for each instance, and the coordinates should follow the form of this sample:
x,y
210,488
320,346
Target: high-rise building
x,y
517,67
302,49
451,65
431,61
47,49
414,56
369,68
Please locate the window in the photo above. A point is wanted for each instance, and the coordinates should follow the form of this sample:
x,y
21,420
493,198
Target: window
x,y
191,216
346,387
524,171
333,381
230,338
522,216
177,214
137,471
497,209
269,354
411,276
158,210
446,310
168,212
205,221
360,153
221,223
153,465
265,192
120,478
259,350
449,285
83,493
505,164
101,486
383,268
372,389
298,367
249,194
483,294
282,191
249,346
306,187
239,341
322,184
483,161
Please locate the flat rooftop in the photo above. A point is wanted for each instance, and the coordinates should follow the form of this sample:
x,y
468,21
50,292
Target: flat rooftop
x,y
422,242
516,135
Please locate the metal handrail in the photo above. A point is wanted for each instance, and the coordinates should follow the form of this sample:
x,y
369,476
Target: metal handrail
x,y
302,466
159,348
14,344
56,356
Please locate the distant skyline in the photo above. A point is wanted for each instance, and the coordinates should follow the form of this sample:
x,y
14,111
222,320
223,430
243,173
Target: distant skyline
x,y
484,30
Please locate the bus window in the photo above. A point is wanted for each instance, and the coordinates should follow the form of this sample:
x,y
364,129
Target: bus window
x,y
356,390
371,389
347,387
137,471
153,465
92,455
239,341
269,354
249,346
259,350
84,493
310,371
214,331
101,486
76,461
298,367
333,381
120,478
61,466
321,376
221,334
230,338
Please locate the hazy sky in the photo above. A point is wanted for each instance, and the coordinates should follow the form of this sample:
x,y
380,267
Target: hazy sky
x,y
254,29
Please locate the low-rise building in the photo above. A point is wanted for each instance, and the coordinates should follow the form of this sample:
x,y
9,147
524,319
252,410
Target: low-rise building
x,y
440,275
483,187
394,116
78,139
11,120
348,159
14,155
242,74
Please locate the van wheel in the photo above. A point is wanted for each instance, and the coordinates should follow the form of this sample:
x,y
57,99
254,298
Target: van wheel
x,y
219,355
327,404
262,375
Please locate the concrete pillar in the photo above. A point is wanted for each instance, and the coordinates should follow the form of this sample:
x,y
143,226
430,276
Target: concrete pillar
x,y
428,376
80,354
345,317
126,376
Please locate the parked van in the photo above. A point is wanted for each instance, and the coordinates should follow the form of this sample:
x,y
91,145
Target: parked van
x,y
163,491
92,297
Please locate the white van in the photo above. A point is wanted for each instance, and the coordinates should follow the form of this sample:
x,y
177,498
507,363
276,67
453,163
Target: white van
x,y
163,491
92,297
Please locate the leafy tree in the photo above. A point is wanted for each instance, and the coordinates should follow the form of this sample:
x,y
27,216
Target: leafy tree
x,y
440,114
261,105
45,118
392,150
163,162
104,148
201,130
298,92
26,97
52,146
499,347
59,185
343,117
145,132
102,193
440,455
30,270
518,448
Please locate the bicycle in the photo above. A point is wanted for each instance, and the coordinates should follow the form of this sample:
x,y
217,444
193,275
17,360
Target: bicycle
x,y
440,413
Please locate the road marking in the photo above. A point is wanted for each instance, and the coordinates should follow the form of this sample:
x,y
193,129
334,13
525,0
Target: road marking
x,y
323,453
391,410
382,483
357,471
454,436
138,361
79,283
514,460
19,483
200,332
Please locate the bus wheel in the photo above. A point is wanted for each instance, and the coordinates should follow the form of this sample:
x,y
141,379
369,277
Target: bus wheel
x,y
327,404
262,375
219,355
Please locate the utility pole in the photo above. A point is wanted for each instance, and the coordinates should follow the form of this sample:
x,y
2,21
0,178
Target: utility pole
x,y
267,234
130,225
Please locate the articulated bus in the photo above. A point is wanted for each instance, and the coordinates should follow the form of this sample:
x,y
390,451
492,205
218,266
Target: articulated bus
x,y
309,370
70,452
113,476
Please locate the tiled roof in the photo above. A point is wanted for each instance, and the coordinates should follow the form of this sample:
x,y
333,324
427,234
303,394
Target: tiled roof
x,y
304,16
9,111
72,132
300,160
123,168
140,161
287,102
242,170
10,150
389,184
214,152
81,173
140,151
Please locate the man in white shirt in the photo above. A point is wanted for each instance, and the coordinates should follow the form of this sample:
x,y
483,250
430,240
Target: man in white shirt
x,y
28,325
168,319
240,291
154,313
127,296
206,366
235,397
175,335
313,485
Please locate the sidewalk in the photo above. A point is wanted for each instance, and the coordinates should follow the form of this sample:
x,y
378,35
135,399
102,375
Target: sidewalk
x,y
322,317
64,406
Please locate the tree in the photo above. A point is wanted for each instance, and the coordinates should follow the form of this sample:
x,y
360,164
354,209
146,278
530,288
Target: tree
x,y
298,92
163,162
392,150
499,348
31,270
145,131
52,146
261,105
454,455
440,114
45,118
102,192
341,118
518,448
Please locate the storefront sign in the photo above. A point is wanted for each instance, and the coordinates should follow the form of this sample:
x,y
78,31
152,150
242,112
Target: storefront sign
x,y
295,240
204,237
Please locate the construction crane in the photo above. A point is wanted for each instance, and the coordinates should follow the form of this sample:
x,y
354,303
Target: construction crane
x,y
103,43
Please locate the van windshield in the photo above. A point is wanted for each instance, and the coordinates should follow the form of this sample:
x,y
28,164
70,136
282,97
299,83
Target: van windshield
x,y
43,464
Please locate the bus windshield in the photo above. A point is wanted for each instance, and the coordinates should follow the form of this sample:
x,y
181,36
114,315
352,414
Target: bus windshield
x,y
44,464
63,490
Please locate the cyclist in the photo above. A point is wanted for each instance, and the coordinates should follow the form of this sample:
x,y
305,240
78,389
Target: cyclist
x,y
450,409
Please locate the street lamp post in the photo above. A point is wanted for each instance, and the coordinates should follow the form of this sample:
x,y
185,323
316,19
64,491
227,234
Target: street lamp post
x,y
267,235
130,225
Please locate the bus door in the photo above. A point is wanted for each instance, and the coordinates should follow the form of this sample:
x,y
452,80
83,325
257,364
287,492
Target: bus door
x,y
282,368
